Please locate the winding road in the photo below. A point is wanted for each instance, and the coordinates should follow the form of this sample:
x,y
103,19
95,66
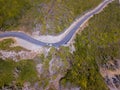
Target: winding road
x,y
69,35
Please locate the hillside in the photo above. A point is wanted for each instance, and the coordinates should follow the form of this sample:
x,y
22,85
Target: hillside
x,y
91,61
46,16
98,46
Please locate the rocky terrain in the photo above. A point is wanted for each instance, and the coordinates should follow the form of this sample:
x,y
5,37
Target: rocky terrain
x,y
111,74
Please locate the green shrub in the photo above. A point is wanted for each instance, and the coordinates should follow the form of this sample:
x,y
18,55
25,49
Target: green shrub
x,y
6,72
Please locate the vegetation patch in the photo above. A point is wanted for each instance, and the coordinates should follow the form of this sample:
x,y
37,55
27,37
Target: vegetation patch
x,y
11,11
5,44
6,72
25,72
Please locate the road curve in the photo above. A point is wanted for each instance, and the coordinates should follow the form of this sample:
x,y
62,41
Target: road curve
x,y
66,38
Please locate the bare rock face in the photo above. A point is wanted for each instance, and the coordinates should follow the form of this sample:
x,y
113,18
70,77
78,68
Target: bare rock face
x,y
16,56
111,74
57,70
50,72
40,68
54,84
55,66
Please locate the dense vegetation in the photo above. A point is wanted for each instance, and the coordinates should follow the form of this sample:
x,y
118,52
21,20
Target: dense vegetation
x,y
19,72
97,44
6,44
6,72
10,11
48,16
27,72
